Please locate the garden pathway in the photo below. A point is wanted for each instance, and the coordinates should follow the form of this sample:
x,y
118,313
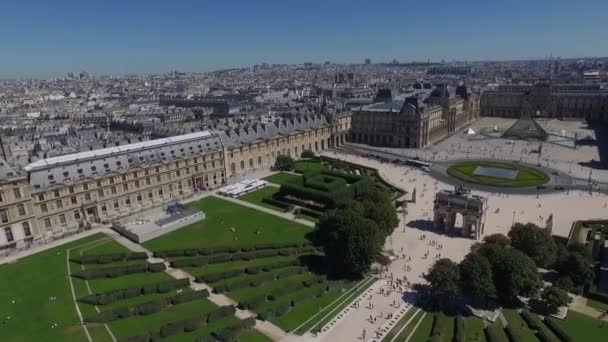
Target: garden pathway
x,y
267,328
580,304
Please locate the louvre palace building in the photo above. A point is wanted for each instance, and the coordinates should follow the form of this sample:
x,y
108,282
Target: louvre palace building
x,y
560,101
63,194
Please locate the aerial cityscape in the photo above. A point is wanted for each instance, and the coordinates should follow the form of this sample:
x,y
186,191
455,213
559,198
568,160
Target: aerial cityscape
x,y
293,182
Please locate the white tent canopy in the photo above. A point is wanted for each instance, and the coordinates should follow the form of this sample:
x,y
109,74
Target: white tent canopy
x,y
470,131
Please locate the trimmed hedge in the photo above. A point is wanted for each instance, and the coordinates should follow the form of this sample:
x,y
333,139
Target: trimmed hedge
x,y
191,252
234,331
189,296
115,295
459,330
544,337
439,325
253,302
156,267
493,333
557,330
178,327
213,277
111,272
223,311
511,334
146,308
109,258
533,322
218,276
225,257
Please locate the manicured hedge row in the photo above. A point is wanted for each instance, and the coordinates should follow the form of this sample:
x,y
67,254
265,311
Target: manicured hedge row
x,y
113,272
310,212
511,334
440,323
255,302
557,330
115,295
258,279
493,333
598,296
178,327
190,252
109,258
234,331
348,177
323,182
276,202
146,308
460,334
284,307
225,257
215,277
544,337
533,322
327,199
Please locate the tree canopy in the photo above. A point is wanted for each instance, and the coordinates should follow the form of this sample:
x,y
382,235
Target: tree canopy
x,y
307,154
476,277
351,241
555,297
284,163
515,274
576,267
535,242
443,278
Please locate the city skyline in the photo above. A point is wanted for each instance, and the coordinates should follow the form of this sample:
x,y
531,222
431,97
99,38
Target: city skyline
x,y
49,40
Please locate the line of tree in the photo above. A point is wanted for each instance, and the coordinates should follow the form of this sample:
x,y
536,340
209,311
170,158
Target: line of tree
x,y
504,268
354,234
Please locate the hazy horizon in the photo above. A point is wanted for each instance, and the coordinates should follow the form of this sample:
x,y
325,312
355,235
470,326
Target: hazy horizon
x,y
49,39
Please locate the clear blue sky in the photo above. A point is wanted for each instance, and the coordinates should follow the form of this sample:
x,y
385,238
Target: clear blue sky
x,y
51,37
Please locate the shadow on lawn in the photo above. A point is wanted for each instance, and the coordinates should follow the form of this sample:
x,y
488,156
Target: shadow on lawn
x,y
318,264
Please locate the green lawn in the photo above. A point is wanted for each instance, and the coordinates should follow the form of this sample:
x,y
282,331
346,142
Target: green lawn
x,y
474,329
222,215
527,176
139,324
519,326
203,331
254,336
423,332
257,196
285,178
30,282
584,328
502,335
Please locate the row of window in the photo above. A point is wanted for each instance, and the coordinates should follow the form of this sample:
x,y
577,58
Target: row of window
x,y
16,195
111,180
4,216
8,232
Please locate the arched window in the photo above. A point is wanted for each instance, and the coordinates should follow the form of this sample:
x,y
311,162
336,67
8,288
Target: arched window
x,y
242,165
259,160
251,163
232,168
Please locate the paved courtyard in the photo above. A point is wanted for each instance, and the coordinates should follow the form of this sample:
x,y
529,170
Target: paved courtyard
x,y
462,146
